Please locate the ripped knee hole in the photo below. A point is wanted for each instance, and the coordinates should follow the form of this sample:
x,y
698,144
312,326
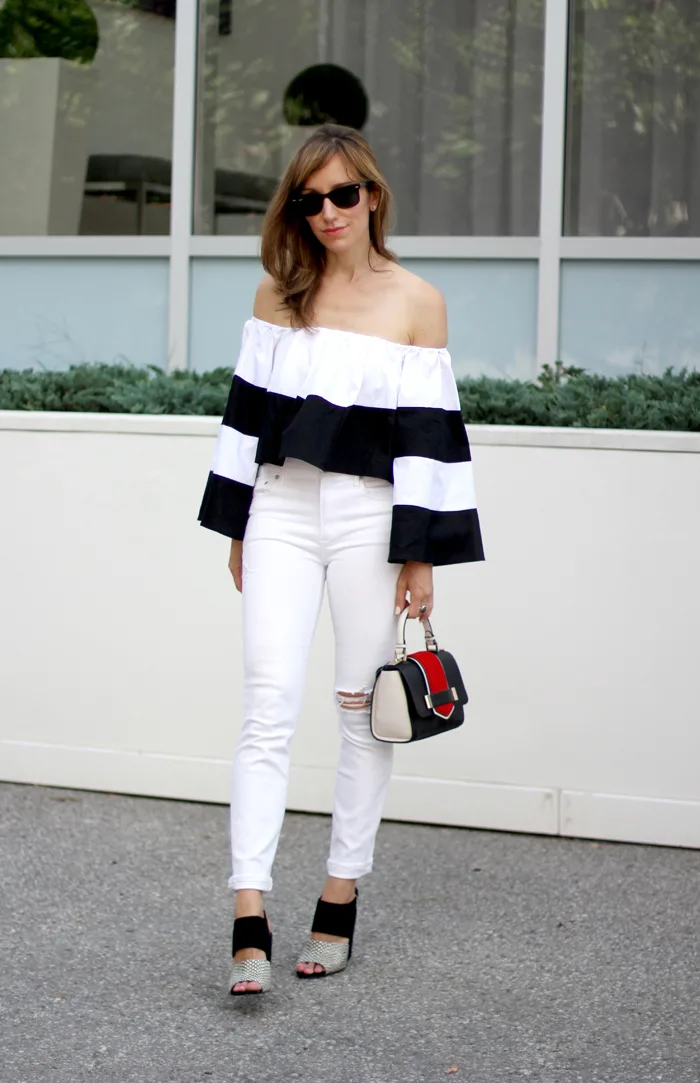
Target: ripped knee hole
x,y
354,701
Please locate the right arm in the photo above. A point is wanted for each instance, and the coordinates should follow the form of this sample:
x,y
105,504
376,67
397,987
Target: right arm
x,y
266,307
229,491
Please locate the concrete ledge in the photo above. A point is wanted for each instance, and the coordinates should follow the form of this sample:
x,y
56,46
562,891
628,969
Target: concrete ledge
x,y
505,435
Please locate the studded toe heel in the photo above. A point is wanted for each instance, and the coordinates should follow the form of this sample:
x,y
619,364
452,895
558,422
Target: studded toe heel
x,y
253,932
333,919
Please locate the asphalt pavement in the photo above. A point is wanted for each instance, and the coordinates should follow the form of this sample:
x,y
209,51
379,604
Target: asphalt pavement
x,y
480,956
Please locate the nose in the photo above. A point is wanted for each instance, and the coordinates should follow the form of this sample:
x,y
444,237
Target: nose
x,y
328,210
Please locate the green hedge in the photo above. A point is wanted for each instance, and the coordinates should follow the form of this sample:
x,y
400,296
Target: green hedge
x,y
562,396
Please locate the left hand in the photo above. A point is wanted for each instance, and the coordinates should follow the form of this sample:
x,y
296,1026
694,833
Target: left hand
x,y
416,579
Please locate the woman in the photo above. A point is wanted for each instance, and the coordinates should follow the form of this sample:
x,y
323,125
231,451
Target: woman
x,y
343,459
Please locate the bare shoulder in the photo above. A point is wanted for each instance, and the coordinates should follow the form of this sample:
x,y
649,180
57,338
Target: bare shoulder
x,y
427,310
268,303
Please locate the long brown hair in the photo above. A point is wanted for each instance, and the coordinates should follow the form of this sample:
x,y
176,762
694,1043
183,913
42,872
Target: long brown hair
x,y
290,253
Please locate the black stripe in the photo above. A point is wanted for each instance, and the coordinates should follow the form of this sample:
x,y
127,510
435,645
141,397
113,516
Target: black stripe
x,y
279,415
246,407
434,537
225,506
431,433
341,439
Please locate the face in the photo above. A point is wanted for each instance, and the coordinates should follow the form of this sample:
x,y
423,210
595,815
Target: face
x,y
338,228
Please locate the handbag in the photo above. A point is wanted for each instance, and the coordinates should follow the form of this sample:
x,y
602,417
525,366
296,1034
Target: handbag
x,y
417,695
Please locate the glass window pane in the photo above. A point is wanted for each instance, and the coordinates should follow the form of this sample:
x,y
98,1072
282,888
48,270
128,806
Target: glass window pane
x,y
448,92
478,292
633,138
86,103
59,312
620,317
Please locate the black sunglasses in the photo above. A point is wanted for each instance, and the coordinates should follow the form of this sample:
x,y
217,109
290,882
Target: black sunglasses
x,y
311,203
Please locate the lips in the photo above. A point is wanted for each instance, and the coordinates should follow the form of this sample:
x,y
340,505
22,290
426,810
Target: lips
x,y
332,232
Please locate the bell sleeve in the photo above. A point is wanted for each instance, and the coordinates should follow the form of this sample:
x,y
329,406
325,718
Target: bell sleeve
x,y
434,517
229,488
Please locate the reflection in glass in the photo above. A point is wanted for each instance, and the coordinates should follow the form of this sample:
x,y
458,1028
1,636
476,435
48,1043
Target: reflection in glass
x,y
86,101
453,89
633,140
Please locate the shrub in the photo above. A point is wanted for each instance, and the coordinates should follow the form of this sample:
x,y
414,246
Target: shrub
x,y
561,396
576,398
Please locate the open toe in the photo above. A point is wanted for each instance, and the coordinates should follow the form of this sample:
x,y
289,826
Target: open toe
x,y
250,976
322,957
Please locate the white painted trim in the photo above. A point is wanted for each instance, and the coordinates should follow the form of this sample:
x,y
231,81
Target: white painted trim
x,y
631,248
485,435
621,818
203,247
84,247
552,178
425,800
504,248
184,118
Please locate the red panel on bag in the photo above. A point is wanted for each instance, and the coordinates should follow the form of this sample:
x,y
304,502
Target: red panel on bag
x,y
437,679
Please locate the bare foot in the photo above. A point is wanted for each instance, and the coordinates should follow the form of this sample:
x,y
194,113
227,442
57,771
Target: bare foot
x,y
335,891
249,904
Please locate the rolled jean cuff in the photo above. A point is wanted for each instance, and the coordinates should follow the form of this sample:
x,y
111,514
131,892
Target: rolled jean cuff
x,y
348,872
250,883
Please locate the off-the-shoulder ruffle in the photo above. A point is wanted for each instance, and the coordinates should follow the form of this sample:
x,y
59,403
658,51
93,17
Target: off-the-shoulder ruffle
x,y
350,403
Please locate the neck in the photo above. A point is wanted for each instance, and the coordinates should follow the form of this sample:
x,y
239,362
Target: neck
x,y
349,265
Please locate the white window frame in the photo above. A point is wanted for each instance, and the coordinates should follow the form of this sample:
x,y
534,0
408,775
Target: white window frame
x,y
551,249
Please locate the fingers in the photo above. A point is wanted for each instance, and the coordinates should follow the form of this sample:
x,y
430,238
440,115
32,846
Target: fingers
x,y
236,570
414,609
419,586
235,563
400,601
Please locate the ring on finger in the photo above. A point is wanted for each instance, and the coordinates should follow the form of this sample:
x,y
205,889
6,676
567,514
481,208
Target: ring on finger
x,y
422,609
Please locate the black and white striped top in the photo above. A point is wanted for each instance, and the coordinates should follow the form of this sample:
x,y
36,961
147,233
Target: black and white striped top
x,y
352,404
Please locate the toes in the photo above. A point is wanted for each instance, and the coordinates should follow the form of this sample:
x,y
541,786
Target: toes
x,y
247,987
310,968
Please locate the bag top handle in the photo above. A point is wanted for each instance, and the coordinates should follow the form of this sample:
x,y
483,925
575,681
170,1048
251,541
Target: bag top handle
x,y
400,652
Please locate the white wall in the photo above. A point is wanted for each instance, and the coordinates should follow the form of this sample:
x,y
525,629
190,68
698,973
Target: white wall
x,y
120,640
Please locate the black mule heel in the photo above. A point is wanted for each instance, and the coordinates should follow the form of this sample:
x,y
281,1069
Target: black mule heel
x,y
333,919
253,932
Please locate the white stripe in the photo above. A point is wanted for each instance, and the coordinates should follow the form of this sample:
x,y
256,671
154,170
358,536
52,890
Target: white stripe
x,y
254,364
345,368
234,457
427,380
426,483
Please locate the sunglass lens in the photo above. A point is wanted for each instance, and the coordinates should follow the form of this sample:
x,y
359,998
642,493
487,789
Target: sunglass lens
x,y
347,196
310,204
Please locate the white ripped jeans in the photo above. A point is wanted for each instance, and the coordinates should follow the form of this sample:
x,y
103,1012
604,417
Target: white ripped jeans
x,y
308,528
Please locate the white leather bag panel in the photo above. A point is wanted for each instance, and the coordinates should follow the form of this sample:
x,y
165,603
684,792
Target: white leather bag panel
x,y
389,719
